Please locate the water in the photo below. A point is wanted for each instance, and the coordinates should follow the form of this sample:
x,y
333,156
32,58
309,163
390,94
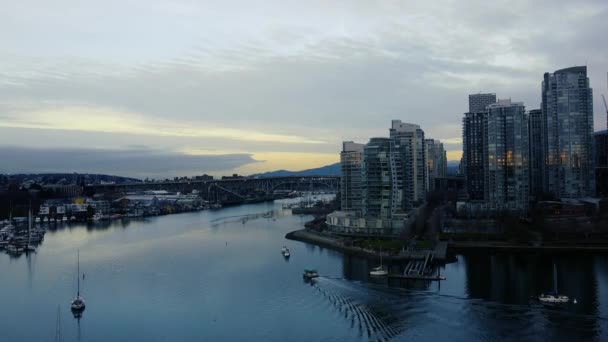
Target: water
x,y
174,278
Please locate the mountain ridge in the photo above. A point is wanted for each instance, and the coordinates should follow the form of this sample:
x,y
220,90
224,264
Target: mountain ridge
x,y
327,170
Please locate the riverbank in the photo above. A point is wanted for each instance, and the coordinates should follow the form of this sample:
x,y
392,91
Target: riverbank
x,y
338,244
442,249
500,247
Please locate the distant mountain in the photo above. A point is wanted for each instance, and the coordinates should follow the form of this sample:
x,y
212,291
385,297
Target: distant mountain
x,y
328,170
453,167
66,178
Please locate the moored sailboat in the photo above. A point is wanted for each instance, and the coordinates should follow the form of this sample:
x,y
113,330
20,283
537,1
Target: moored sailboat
x,y
553,297
78,305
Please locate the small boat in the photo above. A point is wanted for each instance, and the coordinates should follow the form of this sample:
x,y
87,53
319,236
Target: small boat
x,y
283,249
553,297
45,219
73,218
78,305
97,217
14,249
286,253
37,219
378,271
310,273
64,219
52,219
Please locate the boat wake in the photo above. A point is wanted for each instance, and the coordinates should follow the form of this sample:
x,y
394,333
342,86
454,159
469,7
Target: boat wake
x,y
361,315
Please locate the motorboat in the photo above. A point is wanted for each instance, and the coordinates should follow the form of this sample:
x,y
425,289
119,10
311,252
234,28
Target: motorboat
x,y
286,253
78,304
64,219
45,219
37,220
97,217
310,273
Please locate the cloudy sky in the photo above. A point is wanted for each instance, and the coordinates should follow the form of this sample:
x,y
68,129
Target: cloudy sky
x,y
165,88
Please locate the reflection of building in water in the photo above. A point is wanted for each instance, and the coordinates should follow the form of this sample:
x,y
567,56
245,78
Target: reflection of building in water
x,y
516,279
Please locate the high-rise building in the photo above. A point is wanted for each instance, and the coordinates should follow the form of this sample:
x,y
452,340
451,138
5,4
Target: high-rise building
x,y
350,180
377,179
567,107
479,102
436,161
474,153
537,159
507,178
408,149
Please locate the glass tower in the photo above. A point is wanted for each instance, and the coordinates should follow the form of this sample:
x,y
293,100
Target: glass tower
x,y
567,108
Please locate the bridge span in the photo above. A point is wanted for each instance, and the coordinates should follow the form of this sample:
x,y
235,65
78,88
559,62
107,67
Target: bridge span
x,y
234,190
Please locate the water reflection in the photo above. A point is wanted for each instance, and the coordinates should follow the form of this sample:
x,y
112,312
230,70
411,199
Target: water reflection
x,y
208,276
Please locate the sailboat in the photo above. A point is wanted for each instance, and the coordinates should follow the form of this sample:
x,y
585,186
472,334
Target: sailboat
x,y
10,219
379,271
78,303
553,297
29,247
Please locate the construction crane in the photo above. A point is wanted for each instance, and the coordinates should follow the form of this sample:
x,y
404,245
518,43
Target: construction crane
x,y
606,107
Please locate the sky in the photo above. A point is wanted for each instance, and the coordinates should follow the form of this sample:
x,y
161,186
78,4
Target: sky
x,y
179,88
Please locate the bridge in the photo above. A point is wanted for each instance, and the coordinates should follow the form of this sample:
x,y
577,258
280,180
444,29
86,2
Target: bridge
x,y
227,191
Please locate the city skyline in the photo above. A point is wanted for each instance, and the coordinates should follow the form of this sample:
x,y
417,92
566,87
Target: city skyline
x,y
279,91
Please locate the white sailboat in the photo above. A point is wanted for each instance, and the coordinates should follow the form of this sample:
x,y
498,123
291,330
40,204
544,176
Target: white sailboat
x,y
553,297
29,247
378,271
10,219
78,305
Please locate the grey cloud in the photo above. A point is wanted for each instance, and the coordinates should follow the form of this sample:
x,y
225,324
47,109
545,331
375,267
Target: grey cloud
x,y
131,162
418,65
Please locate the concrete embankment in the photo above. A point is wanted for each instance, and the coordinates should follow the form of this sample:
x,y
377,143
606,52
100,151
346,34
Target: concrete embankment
x,y
456,247
336,244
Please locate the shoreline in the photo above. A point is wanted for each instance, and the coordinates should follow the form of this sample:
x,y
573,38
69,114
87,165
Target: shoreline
x,y
499,248
330,242
449,248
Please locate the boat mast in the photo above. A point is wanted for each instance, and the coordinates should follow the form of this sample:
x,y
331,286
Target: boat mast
x,y
29,226
554,278
78,275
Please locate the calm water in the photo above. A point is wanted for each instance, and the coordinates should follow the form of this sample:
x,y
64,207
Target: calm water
x,y
173,278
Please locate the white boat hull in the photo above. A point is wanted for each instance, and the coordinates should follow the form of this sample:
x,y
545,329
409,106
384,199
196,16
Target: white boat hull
x,y
553,299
